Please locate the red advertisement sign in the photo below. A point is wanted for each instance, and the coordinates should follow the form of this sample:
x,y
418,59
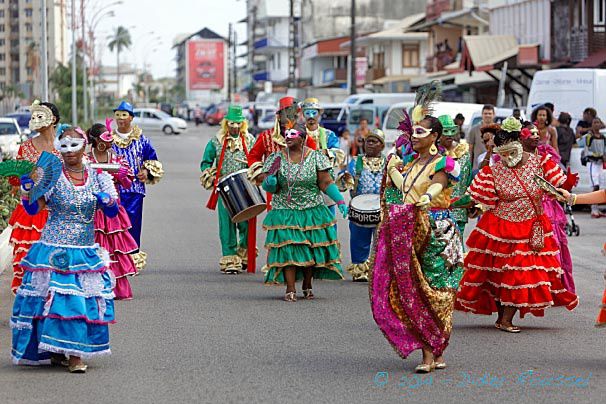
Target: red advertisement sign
x,y
206,64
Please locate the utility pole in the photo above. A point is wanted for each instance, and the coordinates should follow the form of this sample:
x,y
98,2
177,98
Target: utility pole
x,y
74,79
229,61
84,72
235,59
43,50
292,44
352,56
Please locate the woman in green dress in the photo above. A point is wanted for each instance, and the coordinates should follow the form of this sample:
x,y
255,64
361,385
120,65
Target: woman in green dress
x,y
301,237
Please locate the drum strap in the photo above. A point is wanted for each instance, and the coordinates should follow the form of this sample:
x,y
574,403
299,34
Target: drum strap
x,y
214,196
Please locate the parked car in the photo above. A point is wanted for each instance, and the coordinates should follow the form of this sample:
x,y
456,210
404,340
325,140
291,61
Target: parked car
x,y
10,136
154,119
379,98
334,117
22,119
215,114
375,114
267,121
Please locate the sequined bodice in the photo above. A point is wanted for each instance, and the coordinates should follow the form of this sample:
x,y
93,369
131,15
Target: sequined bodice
x,y
514,203
71,213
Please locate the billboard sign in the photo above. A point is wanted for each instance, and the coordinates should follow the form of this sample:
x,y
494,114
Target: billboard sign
x,y
206,64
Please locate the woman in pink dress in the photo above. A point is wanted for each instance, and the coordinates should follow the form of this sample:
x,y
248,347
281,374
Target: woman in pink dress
x,y
112,233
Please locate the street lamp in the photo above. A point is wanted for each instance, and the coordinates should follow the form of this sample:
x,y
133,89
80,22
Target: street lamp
x,y
92,57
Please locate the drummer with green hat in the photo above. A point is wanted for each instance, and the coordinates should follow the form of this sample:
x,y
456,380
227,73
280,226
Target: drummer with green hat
x,y
459,151
225,154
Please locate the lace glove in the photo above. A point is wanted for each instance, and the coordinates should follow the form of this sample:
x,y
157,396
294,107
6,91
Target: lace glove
x,y
433,191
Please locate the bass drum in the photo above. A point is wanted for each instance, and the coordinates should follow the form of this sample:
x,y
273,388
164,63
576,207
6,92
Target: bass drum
x,y
242,199
365,210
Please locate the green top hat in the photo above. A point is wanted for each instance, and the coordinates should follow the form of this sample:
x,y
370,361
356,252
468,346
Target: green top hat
x,y
234,114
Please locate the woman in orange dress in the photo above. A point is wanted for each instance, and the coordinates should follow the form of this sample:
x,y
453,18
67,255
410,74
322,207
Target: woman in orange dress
x,y
28,229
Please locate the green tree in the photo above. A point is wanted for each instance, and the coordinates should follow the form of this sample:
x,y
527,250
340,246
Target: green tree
x,y
61,80
119,41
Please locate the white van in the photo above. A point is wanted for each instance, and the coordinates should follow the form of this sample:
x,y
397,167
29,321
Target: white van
x,y
394,115
570,90
379,98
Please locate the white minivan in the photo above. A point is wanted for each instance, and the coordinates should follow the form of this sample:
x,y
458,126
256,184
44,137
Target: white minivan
x,y
394,115
570,90
379,98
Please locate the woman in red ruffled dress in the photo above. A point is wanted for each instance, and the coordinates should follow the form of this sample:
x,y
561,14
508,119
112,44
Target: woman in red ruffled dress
x,y
112,233
28,229
512,263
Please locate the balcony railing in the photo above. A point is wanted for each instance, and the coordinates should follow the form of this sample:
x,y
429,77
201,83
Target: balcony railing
x,y
374,73
435,63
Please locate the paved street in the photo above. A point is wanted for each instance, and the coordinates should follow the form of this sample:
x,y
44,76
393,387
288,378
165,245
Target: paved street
x,y
193,334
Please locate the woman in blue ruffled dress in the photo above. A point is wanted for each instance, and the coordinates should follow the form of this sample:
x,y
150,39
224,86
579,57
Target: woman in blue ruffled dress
x,y
66,301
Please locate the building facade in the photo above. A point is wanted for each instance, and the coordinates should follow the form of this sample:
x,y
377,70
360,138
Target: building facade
x,y
20,39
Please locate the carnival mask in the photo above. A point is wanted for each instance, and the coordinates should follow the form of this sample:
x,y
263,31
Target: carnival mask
x,y
292,134
234,125
121,115
69,144
42,116
450,132
310,113
511,153
420,132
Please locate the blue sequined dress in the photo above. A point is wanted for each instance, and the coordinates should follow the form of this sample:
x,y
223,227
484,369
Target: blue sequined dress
x,y
65,302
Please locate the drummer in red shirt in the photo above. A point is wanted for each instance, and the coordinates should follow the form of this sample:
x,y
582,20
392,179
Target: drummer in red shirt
x,y
272,140
226,153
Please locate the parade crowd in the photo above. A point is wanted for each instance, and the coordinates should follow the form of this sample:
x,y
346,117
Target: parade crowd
x,y
76,238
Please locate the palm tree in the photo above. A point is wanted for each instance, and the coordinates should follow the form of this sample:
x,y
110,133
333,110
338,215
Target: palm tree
x,y
119,41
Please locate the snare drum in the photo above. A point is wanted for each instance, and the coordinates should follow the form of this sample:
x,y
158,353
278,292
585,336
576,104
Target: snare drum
x,y
365,210
242,199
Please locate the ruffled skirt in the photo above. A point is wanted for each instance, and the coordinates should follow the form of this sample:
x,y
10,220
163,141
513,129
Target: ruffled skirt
x,y
64,304
501,267
556,215
112,234
302,239
27,230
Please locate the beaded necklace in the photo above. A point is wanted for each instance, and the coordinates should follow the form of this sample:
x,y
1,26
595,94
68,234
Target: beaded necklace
x,y
414,180
290,179
80,194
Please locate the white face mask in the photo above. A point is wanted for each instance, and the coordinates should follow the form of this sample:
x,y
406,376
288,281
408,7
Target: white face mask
x,y
511,153
69,144
42,116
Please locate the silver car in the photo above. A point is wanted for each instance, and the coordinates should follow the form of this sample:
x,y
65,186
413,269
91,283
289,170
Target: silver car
x,y
10,136
151,119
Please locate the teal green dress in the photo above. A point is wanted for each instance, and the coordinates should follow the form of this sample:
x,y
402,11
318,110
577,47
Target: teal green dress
x,y
300,228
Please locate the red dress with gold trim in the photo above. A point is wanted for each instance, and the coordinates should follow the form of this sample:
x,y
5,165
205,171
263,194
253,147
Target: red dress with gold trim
x,y
26,228
501,266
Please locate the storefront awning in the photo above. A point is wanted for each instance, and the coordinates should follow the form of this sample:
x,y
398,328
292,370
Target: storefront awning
x,y
483,52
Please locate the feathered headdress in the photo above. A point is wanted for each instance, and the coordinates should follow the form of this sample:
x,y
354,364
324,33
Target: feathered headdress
x,y
427,95
107,135
60,129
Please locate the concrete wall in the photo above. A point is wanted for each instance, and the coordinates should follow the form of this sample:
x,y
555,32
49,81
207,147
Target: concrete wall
x,y
331,19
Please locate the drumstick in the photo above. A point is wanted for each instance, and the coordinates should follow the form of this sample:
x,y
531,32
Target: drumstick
x,y
241,161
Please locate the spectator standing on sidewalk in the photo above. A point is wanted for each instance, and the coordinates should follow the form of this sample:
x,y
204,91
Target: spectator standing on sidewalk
x,y
476,145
